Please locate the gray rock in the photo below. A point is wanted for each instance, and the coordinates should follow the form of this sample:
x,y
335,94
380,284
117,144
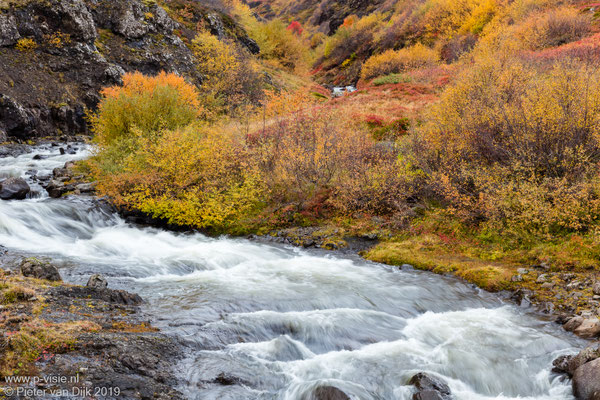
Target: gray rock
x,y
34,268
586,381
542,278
131,22
9,34
14,189
596,288
516,278
589,328
429,387
548,285
522,271
76,19
97,281
86,187
586,355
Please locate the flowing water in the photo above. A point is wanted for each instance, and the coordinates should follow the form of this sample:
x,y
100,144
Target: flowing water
x,y
283,320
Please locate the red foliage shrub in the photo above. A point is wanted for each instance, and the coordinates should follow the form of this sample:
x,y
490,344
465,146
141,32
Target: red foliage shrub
x,y
295,28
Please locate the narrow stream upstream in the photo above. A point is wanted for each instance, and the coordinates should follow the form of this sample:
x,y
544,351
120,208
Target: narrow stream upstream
x,y
285,320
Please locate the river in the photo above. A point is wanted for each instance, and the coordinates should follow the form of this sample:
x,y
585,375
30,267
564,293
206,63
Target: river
x,y
284,320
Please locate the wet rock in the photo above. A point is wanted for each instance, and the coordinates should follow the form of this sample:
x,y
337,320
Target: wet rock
x,y
430,387
14,189
86,187
573,323
522,297
97,281
329,393
586,355
107,295
561,364
34,268
57,189
589,328
586,381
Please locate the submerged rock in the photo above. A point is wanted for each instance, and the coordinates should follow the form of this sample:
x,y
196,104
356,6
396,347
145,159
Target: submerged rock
x,y
14,189
329,393
34,268
430,387
586,381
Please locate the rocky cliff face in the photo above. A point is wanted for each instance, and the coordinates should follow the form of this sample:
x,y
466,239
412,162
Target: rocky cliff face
x,y
55,56
327,15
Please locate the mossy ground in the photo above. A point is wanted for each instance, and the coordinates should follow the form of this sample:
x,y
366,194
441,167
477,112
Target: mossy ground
x,y
35,327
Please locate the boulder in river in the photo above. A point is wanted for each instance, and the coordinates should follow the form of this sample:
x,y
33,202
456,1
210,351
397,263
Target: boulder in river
x,y
97,281
573,323
589,328
14,189
586,381
430,387
568,364
34,268
329,393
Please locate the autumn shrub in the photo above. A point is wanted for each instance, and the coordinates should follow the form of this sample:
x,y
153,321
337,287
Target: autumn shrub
x,y
308,150
155,157
195,177
552,28
277,43
231,77
398,61
515,145
148,104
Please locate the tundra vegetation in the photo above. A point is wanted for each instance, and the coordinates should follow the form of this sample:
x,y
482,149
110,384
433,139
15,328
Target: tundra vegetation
x,y
472,144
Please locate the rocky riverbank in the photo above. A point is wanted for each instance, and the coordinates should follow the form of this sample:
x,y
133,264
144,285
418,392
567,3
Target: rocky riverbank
x,y
87,341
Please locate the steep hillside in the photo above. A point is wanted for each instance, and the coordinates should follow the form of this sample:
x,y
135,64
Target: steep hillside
x,y
326,15
56,55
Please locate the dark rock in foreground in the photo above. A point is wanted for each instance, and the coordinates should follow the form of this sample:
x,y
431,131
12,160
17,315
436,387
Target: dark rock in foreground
x,y
14,189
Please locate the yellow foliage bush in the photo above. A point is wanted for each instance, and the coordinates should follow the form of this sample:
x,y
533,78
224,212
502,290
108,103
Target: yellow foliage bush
x,y
230,77
276,43
26,44
398,61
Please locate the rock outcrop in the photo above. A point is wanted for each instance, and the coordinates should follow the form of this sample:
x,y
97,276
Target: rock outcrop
x,y
58,54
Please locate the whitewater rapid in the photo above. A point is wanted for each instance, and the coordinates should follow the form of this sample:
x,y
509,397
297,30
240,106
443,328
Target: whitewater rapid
x,y
283,321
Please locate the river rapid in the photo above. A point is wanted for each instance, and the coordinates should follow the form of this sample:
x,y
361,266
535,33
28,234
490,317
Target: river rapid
x,y
283,321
